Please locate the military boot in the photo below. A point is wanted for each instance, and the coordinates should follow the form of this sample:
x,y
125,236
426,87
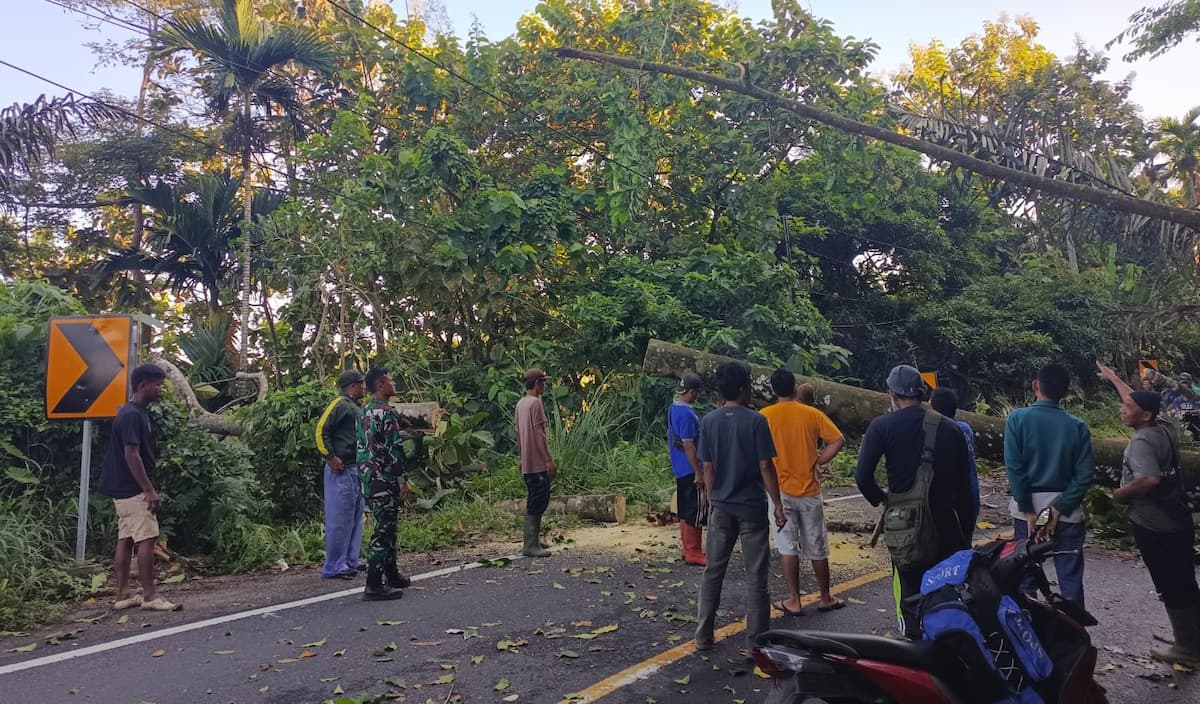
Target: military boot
x,y
376,590
393,578
533,529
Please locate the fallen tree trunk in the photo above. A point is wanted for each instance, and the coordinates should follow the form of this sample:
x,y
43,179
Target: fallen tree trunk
x,y
853,408
198,415
602,508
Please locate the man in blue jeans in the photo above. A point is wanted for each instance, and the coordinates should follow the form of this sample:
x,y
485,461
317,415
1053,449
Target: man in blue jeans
x,y
1048,457
337,441
735,451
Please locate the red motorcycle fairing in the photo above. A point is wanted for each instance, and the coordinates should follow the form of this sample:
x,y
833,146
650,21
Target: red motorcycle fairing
x,y
904,684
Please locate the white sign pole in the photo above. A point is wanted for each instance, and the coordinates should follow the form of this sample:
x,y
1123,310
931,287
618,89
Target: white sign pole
x,y
85,479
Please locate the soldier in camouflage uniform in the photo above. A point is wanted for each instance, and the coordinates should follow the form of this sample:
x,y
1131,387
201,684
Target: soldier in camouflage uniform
x,y
382,465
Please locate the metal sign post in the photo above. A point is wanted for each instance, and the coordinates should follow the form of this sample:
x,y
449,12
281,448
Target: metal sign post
x,y
85,480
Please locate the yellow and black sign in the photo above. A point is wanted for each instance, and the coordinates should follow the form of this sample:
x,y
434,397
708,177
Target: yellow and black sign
x,y
930,379
87,367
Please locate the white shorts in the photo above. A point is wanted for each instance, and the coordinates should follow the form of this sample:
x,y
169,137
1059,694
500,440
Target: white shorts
x,y
804,534
135,520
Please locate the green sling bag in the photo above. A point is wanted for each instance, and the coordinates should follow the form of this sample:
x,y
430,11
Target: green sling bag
x,y
908,528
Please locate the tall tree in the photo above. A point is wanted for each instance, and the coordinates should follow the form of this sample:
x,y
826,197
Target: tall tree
x,y
241,57
1179,142
1156,29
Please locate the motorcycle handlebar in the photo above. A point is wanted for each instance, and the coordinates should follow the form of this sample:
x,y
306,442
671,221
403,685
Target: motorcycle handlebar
x,y
1039,551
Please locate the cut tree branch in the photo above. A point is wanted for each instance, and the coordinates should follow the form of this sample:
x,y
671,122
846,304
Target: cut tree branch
x,y
1105,199
198,415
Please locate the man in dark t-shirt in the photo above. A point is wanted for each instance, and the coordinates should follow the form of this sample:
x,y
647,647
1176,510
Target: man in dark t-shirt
x,y
127,477
899,438
735,452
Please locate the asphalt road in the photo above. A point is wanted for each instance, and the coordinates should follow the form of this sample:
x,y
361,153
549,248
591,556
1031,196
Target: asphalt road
x,y
593,622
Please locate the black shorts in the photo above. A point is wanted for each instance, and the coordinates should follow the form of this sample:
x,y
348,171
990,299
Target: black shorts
x,y
537,498
687,497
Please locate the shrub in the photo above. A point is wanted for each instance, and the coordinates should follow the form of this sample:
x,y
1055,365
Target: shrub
x,y
285,460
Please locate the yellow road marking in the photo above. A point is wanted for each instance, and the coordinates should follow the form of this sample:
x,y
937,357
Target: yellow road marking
x,y
653,664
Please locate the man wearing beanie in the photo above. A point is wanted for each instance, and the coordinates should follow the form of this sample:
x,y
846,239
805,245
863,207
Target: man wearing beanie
x,y
1048,458
1159,518
337,441
899,438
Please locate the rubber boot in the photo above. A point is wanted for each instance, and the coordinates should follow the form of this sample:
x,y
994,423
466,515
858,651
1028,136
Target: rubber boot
x,y
533,529
1186,625
693,547
393,578
376,590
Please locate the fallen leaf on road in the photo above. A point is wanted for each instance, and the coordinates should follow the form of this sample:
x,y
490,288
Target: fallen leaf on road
x,y
448,666
23,648
158,653
556,585
568,654
985,525
852,600
330,679
605,593
174,580
492,624
123,619
444,679
287,661
390,623
306,655
224,652
686,679
501,685
476,659
651,597
316,643
338,690
424,643
94,619
630,596
606,629
1107,668
506,645
581,624
339,653
397,682
584,636
511,698
760,673
1179,667
264,688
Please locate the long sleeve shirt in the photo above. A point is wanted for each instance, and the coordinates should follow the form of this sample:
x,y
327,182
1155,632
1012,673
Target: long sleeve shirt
x,y
1047,451
337,429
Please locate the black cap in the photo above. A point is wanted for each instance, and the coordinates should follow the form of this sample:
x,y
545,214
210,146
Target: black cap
x,y
688,382
348,377
906,381
1147,401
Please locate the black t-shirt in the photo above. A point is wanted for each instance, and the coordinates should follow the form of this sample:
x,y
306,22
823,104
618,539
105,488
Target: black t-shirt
x,y
735,439
899,437
130,427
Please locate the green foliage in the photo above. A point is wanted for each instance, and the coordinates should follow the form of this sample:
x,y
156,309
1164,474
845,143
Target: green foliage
x,y
32,560
286,461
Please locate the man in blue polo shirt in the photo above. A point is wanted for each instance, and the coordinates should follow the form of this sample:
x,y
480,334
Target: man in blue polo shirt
x,y
1048,457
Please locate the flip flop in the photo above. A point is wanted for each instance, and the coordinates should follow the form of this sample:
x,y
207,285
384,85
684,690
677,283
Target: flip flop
x,y
838,604
786,611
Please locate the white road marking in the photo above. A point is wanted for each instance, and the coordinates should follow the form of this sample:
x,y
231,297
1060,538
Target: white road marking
x,y
184,628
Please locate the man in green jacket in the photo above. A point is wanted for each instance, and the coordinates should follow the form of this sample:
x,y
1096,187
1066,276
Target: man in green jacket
x,y
1048,456
337,441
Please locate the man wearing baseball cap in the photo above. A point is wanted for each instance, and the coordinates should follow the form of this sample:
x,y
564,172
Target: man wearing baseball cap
x,y
337,441
1159,517
537,466
683,428
899,438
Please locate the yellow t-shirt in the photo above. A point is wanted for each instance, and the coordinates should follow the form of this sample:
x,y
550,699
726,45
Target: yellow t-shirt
x,y
795,428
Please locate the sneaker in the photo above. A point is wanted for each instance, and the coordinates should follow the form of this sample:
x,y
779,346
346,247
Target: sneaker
x,y
130,603
346,574
159,603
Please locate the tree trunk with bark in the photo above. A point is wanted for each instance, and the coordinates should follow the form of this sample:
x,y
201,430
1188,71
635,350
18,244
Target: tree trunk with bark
x,y
602,508
853,408
198,415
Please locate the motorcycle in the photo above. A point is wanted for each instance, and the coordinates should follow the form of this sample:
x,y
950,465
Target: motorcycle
x,y
815,667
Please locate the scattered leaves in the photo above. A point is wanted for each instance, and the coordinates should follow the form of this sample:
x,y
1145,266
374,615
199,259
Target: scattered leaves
x,y
158,653
23,648
444,679
316,643
568,654
686,679
501,685
224,652
476,659
176,579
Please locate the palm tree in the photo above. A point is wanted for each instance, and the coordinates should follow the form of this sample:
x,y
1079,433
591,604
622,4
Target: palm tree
x,y
240,57
192,232
1179,142
29,131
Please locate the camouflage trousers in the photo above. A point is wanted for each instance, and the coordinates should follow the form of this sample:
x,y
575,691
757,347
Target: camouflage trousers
x,y
382,491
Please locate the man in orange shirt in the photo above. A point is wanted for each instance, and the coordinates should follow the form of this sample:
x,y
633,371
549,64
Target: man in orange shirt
x,y
796,429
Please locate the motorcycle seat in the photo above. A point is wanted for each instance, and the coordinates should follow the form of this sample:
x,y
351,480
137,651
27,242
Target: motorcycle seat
x,y
921,654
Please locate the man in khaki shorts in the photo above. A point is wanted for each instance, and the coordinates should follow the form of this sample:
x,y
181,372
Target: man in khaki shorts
x,y
796,429
126,476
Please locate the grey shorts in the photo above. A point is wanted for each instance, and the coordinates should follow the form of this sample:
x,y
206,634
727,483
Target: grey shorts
x,y
804,534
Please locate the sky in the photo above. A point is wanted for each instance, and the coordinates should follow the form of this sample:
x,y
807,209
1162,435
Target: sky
x,y
49,40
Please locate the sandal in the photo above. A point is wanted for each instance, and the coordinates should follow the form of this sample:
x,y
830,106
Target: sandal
x,y
130,603
786,611
159,604
837,604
